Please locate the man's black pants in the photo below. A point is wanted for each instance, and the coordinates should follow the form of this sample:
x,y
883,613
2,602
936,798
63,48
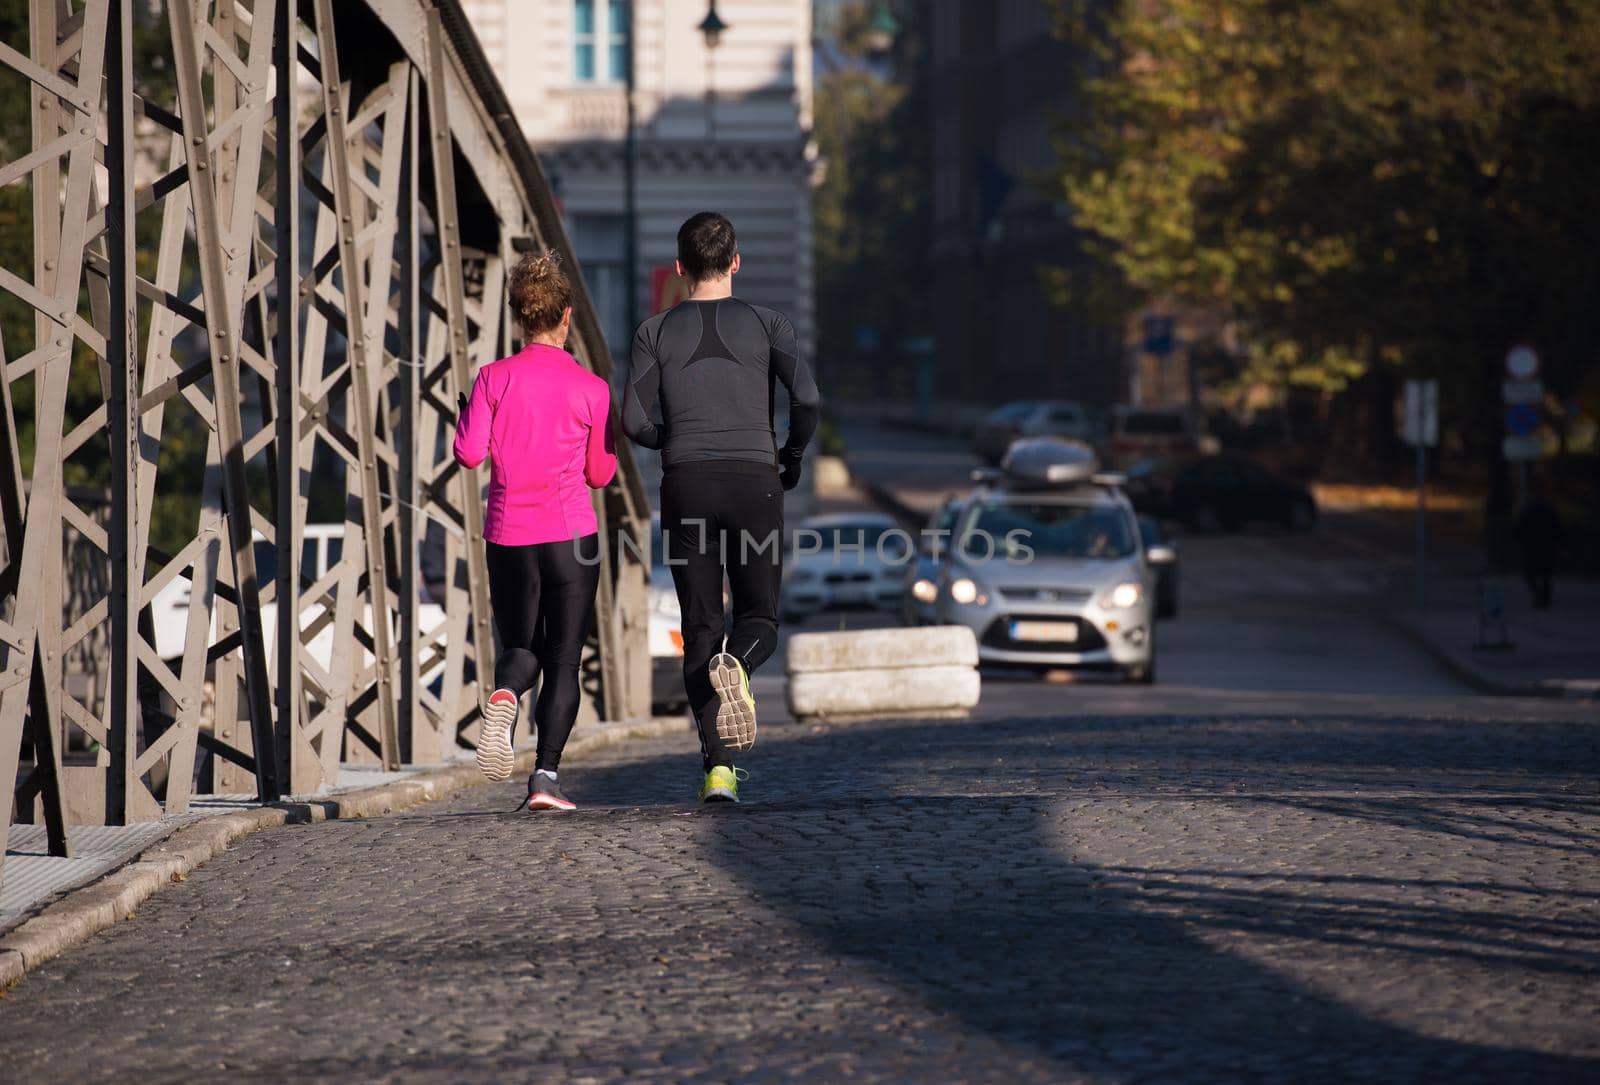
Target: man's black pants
x,y
721,519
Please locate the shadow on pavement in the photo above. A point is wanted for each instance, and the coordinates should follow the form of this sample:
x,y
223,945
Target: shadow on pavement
x,y
957,882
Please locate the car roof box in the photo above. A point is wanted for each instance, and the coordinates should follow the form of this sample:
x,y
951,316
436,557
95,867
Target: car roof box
x,y
1049,461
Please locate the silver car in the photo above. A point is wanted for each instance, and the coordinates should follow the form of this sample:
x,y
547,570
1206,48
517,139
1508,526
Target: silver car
x,y
1051,578
919,600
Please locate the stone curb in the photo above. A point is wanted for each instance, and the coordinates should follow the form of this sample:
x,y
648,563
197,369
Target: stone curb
x,y
117,895
1482,683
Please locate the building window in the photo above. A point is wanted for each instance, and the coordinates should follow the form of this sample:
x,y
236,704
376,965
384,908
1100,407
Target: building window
x,y
600,41
600,242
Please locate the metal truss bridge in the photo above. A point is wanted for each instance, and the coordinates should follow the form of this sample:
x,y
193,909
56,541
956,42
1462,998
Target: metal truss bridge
x,y
252,251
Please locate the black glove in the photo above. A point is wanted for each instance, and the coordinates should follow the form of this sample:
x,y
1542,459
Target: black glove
x,y
790,461
461,405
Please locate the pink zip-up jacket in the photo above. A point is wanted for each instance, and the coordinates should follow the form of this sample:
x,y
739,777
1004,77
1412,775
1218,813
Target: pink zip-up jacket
x,y
543,422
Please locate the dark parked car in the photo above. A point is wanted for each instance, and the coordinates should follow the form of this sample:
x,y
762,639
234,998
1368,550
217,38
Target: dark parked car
x,y
1162,554
1219,493
1034,418
1144,432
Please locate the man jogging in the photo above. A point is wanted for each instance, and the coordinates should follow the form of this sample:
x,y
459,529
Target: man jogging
x,y
714,362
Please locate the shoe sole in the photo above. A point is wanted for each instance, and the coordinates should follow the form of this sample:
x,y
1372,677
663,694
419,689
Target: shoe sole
x,y
736,716
495,757
540,801
719,794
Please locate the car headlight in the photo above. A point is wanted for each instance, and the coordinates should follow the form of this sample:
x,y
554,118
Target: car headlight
x,y
925,590
963,590
1125,595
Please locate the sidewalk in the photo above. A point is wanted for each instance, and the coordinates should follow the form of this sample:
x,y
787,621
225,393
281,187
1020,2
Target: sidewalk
x,y
49,904
1552,653
32,877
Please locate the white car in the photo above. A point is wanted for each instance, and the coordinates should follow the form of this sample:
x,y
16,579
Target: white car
x,y
321,547
845,560
665,631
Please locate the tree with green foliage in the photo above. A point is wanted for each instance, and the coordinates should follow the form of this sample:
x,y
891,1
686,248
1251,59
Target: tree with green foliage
x,y
871,210
1359,185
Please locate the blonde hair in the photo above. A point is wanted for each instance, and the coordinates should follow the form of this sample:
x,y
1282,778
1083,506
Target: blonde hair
x,y
540,292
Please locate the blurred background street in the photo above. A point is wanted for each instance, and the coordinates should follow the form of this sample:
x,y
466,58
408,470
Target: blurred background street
x,y
1272,325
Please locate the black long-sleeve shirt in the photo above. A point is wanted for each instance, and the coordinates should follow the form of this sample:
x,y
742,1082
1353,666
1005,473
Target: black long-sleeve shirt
x,y
715,367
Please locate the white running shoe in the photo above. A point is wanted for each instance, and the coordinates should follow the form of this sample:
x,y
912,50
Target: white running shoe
x,y
736,714
495,759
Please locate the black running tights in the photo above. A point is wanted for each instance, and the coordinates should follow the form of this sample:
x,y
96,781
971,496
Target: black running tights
x,y
543,601
722,520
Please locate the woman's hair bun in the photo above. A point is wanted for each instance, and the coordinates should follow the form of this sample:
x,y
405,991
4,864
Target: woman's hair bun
x,y
540,291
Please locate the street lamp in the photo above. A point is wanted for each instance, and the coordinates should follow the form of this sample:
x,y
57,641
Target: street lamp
x,y
630,181
712,27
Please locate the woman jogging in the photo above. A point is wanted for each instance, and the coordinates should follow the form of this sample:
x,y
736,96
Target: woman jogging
x,y
542,421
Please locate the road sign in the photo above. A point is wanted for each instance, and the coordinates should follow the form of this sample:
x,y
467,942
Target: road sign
x,y
1158,335
1521,419
1420,424
1522,363
1523,391
1522,448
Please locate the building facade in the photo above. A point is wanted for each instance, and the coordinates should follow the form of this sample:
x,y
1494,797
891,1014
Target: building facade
x,y
725,128
998,81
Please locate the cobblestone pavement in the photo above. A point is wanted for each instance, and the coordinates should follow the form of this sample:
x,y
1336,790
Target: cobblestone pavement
x,y
1339,897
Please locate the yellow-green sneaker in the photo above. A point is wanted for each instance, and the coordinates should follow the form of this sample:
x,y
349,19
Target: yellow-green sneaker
x,y
722,784
736,714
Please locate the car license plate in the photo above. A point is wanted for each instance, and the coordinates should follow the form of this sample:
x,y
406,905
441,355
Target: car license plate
x,y
1061,632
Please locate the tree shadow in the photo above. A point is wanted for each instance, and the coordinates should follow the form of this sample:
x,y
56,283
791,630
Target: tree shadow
x,y
958,884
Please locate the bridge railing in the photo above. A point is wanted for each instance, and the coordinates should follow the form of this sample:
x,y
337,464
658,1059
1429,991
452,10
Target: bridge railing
x,y
263,247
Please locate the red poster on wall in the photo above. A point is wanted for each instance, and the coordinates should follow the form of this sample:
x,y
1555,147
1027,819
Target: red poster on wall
x,y
666,288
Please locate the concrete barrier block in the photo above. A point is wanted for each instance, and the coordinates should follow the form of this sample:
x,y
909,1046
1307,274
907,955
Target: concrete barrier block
x,y
898,691
12,967
876,649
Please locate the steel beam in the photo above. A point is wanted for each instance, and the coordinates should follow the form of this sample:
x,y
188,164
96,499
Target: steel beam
x,y
224,345
84,664
449,227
